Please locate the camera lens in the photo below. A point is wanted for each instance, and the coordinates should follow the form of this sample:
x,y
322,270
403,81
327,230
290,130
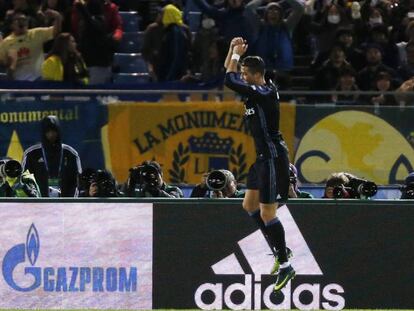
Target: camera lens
x,y
11,168
216,181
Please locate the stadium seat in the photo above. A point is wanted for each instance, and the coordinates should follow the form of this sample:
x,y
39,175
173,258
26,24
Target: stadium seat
x,y
131,42
130,63
194,20
130,21
131,78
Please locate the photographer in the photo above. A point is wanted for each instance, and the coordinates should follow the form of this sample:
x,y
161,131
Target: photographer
x,y
102,185
15,183
347,186
217,184
294,191
146,180
407,190
84,181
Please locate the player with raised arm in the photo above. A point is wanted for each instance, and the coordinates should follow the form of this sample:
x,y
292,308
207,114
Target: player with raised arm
x,y
268,178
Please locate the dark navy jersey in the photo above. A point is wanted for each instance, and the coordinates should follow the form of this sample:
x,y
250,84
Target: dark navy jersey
x,y
261,104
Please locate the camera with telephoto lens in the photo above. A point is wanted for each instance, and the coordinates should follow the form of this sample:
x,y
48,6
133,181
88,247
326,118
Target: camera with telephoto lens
x,y
144,175
11,169
217,180
356,188
407,191
105,183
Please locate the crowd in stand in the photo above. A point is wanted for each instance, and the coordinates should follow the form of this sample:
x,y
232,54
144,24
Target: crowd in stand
x,y
355,45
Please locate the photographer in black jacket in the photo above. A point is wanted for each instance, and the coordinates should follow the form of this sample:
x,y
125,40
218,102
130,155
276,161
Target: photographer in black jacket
x,y
217,184
54,165
102,185
347,186
146,180
407,190
14,183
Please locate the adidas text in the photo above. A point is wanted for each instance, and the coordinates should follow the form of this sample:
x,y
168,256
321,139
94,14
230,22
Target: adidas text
x,y
256,295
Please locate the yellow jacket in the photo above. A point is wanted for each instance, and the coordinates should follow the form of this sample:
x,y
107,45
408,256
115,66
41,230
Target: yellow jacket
x,y
52,69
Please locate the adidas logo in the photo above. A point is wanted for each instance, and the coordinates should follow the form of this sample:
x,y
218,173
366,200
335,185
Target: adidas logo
x,y
253,263
254,247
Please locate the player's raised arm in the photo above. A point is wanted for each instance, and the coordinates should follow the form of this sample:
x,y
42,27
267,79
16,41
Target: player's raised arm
x,y
238,50
232,80
233,43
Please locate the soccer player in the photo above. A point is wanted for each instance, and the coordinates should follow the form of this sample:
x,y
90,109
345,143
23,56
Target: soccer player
x,y
268,178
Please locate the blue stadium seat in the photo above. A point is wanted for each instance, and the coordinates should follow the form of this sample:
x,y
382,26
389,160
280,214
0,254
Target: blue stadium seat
x,y
130,21
131,42
130,63
194,20
131,78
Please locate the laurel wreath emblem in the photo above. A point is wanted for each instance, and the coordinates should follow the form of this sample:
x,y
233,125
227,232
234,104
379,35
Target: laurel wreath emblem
x,y
238,161
180,157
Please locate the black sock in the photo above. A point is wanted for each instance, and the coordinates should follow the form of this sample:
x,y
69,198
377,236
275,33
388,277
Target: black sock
x,y
276,233
259,221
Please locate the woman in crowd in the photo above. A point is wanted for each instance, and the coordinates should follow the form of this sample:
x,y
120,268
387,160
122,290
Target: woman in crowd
x,y
64,62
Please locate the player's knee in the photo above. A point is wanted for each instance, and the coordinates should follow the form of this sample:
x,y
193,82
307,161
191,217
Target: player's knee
x,y
267,216
249,206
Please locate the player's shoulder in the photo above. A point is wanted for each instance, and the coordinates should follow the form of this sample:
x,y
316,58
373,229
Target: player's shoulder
x,y
265,89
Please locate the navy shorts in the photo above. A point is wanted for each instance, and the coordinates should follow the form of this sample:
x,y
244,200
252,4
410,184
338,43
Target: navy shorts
x,y
271,176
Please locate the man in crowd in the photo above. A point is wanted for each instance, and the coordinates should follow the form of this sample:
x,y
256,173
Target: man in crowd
x,y
22,51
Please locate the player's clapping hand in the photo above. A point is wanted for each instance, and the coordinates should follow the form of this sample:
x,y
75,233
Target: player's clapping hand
x,y
240,49
236,41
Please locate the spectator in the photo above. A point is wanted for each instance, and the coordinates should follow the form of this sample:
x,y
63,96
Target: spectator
x,y
327,76
405,92
55,165
346,83
97,27
379,35
274,42
16,183
324,27
64,62
233,20
64,9
406,71
207,52
31,9
373,17
345,38
151,45
146,180
217,184
367,75
22,51
409,33
172,63
383,83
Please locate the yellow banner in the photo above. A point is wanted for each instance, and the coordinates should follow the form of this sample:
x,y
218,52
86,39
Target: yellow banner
x,y
187,139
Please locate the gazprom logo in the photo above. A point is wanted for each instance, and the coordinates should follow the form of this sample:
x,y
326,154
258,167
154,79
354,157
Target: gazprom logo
x,y
61,279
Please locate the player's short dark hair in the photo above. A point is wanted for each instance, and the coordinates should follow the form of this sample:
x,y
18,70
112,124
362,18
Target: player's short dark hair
x,y
255,64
